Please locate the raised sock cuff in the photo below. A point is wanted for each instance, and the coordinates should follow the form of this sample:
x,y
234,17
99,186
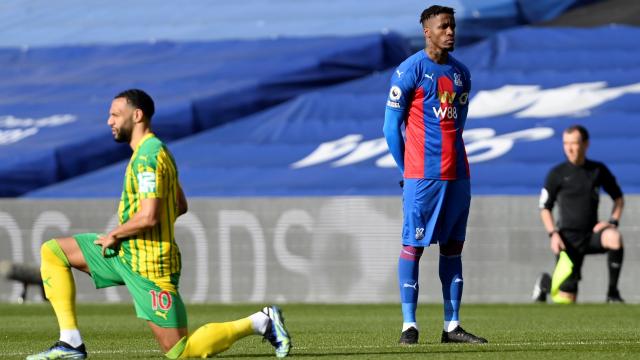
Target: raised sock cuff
x,y
57,251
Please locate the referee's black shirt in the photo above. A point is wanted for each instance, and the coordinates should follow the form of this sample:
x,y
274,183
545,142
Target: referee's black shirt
x,y
577,191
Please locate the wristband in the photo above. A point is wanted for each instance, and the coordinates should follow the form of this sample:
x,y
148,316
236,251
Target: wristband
x,y
553,232
613,222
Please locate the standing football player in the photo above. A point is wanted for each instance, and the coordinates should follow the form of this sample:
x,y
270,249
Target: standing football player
x,y
430,95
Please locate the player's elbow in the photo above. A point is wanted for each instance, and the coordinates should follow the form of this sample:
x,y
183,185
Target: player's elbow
x,y
151,222
182,209
386,131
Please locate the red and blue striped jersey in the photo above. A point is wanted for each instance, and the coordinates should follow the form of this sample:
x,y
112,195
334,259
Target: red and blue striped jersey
x,y
434,99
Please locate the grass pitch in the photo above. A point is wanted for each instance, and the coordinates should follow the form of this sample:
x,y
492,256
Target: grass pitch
x,y
586,331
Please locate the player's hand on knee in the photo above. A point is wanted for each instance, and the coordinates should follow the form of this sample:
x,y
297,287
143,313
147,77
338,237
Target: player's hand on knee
x,y
601,226
107,242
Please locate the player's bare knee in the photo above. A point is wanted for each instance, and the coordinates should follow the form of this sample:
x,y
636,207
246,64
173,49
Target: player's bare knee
x,y
166,343
611,239
167,337
165,346
572,297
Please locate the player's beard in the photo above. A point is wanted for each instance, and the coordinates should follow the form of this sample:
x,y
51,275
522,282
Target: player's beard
x,y
123,134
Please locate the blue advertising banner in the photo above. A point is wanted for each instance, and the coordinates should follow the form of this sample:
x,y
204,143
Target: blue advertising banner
x,y
528,85
55,101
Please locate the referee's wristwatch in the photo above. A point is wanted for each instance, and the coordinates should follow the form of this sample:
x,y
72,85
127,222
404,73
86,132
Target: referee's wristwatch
x,y
614,222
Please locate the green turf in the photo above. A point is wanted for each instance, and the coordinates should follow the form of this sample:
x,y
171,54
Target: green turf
x,y
585,331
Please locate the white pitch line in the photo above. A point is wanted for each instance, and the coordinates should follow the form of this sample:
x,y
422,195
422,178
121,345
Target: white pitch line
x,y
553,343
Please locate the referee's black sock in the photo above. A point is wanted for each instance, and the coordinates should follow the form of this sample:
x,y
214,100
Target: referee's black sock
x,y
614,261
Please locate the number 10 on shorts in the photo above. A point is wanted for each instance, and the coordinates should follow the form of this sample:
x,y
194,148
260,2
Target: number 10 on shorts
x,y
160,300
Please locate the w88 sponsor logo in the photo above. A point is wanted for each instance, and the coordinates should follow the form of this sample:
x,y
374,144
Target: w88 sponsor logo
x,y
446,113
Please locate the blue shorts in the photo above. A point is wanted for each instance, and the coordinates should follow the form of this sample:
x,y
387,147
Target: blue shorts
x,y
435,211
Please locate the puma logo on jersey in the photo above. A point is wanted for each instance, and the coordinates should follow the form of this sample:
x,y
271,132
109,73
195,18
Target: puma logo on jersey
x,y
429,76
161,314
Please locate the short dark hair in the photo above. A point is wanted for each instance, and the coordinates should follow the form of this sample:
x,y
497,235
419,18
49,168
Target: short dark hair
x,y
140,100
584,134
435,10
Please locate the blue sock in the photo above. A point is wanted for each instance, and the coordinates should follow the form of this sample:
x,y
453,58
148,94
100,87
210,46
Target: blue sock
x,y
408,268
451,278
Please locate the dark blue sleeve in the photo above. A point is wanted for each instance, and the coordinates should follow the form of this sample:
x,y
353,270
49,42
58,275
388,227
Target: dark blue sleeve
x,y
393,134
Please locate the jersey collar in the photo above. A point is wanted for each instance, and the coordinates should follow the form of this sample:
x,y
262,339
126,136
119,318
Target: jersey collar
x,y
144,138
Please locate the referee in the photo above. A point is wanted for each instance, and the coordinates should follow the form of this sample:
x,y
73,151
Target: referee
x,y
575,186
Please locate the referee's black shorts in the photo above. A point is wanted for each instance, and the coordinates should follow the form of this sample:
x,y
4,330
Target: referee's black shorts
x,y
577,245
